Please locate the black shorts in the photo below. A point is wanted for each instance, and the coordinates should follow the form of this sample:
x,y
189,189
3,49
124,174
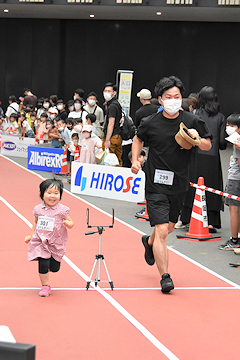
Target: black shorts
x,y
163,208
44,265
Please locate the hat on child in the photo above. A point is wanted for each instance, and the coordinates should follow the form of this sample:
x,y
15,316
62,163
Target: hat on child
x,y
87,128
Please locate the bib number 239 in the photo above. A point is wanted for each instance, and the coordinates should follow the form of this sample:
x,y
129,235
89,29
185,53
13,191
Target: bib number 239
x,y
163,177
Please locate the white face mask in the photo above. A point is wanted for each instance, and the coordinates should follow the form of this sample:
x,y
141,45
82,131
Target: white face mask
x,y
60,107
91,102
77,106
46,105
74,97
107,96
172,106
78,128
61,128
52,116
230,130
48,126
71,108
86,134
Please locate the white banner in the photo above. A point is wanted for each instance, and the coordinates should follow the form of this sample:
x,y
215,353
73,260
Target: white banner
x,y
108,182
13,146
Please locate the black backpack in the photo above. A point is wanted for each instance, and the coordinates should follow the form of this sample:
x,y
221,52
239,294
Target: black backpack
x,y
126,126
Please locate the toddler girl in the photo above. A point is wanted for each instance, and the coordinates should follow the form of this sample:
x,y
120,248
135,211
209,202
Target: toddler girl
x,y
49,236
87,153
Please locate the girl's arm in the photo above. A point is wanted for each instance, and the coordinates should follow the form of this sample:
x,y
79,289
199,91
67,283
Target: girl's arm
x,y
28,237
68,222
98,146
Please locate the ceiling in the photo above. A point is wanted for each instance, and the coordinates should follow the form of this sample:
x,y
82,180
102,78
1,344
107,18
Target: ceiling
x,y
121,12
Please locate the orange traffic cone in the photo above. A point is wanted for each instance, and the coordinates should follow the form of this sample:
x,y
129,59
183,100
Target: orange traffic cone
x,y
76,154
64,169
198,228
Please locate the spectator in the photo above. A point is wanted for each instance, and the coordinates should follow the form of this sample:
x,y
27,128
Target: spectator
x,y
13,107
53,134
29,98
61,110
25,128
233,187
208,164
88,145
112,139
78,94
92,108
147,109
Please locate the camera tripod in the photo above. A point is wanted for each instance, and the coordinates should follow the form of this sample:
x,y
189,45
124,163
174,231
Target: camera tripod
x,y
99,256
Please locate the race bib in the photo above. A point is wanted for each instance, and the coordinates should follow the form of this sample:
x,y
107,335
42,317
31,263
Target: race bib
x,y
85,147
45,223
163,177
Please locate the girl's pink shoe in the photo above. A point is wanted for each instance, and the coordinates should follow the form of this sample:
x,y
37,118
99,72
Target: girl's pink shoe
x,y
45,290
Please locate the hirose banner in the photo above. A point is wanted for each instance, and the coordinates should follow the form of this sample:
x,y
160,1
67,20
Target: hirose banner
x,y
13,146
107,181
45,159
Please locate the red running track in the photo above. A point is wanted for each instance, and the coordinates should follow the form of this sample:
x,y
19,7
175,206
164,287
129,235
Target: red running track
x,y
135,321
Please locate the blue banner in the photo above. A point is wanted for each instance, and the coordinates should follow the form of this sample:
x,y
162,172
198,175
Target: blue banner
x,y
45,159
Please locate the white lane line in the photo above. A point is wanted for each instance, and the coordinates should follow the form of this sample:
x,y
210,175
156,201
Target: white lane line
x,y
125,313
123,289
112,301
135,229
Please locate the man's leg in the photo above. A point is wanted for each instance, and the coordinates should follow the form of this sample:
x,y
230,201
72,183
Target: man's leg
x,y
158,240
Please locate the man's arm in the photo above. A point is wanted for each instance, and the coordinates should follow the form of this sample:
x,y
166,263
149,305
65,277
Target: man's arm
x,y
205,144
111,122
137,146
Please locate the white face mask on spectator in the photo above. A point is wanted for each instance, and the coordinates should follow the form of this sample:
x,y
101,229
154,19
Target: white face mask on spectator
x,y
230,130
91,102
77,106
46,105
71,108
60,107
78,128
107,96
86,134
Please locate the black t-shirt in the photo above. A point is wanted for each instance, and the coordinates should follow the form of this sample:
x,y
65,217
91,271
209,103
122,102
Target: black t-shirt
x,y
164,152
144,111
113,110
62,115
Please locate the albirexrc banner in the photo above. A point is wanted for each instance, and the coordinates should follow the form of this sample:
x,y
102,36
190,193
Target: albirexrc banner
x,y
107,181
45,159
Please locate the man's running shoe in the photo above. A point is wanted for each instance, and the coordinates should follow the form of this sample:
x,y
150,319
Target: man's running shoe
x,y
141,212
149,257
230,245
166,283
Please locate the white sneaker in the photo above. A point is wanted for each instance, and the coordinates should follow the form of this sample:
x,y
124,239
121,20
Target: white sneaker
x,y
179,225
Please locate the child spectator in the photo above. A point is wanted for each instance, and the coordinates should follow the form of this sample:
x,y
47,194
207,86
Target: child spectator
x,y
43,131
13,126
25,128
3,124
33,119
53,134
73,146
87,153
61,110
64,133
46,104
90,120
40,107
49,235
233,186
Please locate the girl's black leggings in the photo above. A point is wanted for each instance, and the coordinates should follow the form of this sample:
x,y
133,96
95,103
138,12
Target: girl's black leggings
x,y
44,265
